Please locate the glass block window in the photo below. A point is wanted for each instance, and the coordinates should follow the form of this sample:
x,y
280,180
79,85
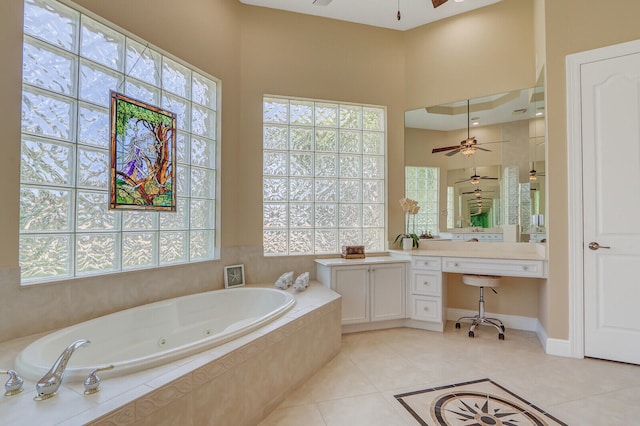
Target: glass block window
x,y
421,184
450,207
323,176
71,61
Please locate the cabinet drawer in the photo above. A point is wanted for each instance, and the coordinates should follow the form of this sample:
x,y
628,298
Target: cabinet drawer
x,y
426,262
426,283
501,267
425,308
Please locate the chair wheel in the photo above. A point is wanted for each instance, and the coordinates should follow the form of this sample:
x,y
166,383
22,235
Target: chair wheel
x,y
457,325
501,336
471,334
502,327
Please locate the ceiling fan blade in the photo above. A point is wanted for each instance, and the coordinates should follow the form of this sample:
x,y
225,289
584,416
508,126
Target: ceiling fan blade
x,y
445,148
489,178
487,143
482,149
437,3
452,153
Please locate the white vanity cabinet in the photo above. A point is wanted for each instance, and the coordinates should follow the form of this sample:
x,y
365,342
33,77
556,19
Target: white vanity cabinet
x,y
371,290
426,293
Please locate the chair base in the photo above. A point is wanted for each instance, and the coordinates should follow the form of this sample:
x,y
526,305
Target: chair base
x,y
477,320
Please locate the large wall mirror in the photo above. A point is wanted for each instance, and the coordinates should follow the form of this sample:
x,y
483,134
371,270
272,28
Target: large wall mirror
x,y
489,156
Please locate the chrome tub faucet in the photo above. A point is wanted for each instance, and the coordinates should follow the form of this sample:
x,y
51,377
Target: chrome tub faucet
x,y
50,382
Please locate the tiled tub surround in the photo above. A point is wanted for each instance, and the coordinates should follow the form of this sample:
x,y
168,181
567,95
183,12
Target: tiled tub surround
x,y
237,383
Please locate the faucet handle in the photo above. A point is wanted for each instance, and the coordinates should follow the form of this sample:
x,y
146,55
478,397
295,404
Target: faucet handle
x,y
92,383
14,384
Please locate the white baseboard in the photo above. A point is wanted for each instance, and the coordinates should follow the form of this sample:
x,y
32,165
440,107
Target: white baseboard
x,y
510,321
558,347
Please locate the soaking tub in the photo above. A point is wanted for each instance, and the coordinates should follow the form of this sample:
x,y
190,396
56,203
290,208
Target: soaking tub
x,y
157,333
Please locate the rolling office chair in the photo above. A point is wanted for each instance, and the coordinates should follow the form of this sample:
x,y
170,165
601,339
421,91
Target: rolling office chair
x,y
482,281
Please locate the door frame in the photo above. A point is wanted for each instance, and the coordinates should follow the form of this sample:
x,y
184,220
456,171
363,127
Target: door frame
x,y
574,63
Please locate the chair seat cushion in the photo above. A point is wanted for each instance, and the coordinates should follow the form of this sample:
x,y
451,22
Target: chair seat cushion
x,y
481,280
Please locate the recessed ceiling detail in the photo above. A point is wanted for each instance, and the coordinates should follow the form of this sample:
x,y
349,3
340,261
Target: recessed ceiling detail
x,y
379,13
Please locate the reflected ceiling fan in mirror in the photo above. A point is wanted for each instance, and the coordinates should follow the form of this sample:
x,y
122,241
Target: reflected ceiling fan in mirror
x,y
467,147
477,192
475,178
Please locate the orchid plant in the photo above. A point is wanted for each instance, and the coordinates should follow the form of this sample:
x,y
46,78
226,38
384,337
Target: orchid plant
x,y
410,208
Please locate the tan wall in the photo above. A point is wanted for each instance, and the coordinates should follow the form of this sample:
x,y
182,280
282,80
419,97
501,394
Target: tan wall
x,y
571,26
489,50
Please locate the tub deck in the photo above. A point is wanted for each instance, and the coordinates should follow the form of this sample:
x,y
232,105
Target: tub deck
x,y
239,382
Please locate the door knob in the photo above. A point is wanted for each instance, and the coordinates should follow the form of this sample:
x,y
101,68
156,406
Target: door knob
x,y
595,246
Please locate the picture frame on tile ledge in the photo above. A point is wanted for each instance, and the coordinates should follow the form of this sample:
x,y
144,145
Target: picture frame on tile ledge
x,y
234,276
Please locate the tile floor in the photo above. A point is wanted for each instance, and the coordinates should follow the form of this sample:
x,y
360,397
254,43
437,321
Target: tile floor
x,y
358,386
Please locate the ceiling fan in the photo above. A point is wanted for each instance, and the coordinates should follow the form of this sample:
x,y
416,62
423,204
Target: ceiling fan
x,y
533,174
475,178
437,3
477,192
467,147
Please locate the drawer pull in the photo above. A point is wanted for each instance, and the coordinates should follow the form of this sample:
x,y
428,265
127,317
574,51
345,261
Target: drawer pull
x,y
426,309
426,283
525,268
455,264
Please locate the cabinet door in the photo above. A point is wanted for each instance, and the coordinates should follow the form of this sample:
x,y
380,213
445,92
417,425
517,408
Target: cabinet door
x,y
387,292
352,283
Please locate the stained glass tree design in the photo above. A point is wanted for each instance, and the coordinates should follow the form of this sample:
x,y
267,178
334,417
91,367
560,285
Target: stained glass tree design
x,y
143,152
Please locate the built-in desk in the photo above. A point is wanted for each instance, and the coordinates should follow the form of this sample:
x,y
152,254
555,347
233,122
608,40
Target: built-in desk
x,y
433,260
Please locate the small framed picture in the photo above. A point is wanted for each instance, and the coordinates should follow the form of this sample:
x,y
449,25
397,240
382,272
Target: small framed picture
x,y
233,276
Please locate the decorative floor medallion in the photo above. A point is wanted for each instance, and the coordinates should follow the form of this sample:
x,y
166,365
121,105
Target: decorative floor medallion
x,y
476,403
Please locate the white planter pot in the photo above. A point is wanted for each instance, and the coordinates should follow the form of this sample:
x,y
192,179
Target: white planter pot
x,y
407,243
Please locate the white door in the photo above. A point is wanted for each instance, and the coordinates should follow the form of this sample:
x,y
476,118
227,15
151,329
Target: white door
x,y
610,117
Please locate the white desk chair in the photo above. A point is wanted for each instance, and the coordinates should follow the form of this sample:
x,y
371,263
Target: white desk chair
x,y
482,281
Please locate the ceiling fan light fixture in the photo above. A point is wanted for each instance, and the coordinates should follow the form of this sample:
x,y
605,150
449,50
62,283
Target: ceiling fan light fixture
x,y
533,176
468,151
475,180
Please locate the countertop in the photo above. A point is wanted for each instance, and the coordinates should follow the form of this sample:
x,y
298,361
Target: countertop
x,y
517,251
